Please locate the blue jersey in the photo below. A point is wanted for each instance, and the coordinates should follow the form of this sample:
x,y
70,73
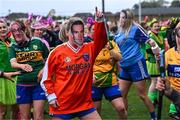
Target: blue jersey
x,y
130,45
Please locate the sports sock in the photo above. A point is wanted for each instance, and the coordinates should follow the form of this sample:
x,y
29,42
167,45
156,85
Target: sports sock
x,y
172,108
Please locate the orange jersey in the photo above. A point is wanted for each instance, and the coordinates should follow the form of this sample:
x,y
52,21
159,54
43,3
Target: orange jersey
x,y
68,74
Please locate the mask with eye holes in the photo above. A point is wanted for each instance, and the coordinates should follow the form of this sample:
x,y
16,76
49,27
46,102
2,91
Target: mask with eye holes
x,y
75,21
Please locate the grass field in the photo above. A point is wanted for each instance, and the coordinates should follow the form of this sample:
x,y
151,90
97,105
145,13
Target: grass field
x,y
136,110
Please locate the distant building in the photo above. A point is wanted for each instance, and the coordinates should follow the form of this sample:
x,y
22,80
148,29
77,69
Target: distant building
x,y
160,13
84,16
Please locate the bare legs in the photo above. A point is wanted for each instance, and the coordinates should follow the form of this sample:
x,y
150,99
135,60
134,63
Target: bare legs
x,y
141,90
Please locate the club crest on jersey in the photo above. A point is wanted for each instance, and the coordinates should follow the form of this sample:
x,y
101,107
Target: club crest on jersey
x,y
35,47
86,56
67,59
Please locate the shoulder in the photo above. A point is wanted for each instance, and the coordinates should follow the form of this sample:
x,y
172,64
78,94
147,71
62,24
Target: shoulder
x,y
118,35
88,44
139,29
13,45
36,39
60,48
170,51
113,42
135,27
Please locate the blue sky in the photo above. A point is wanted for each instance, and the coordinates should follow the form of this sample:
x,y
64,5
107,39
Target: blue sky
x,y
62,7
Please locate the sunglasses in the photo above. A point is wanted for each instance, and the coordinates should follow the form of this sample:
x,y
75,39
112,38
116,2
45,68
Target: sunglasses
x,y
2,27
16,30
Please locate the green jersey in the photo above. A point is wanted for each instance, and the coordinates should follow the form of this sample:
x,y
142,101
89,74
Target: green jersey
x,y
33,53
4,53
160,42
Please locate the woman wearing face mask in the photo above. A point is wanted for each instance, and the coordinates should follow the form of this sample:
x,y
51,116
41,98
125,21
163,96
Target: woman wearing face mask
x,y
133,64
69,92
7,81
153,69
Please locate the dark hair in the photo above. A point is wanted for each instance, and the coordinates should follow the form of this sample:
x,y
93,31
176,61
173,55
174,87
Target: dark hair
x,y
124,11
114,29
22,27
74,21
128,13
20,24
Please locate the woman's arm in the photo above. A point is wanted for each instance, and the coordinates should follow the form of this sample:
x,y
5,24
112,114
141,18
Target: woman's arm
x,y
16,65
8,75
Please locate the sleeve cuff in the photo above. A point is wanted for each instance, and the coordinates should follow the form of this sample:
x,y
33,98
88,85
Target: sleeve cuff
x,y
147,40
51,97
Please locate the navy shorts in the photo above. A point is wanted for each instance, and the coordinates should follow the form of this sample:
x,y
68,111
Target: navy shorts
x,y
136,72
26,94
73,115
110,93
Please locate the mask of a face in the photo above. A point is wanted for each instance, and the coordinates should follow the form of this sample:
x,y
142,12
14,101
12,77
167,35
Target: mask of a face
x,y
78,42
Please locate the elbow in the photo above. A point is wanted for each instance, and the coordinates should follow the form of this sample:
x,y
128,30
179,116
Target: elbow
x,y
12,65
119,56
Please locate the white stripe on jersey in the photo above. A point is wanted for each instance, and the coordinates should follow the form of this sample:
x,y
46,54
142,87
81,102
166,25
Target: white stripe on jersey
x,y
142,29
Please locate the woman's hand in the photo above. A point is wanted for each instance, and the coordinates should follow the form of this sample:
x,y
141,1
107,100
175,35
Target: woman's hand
x,y
9,75
98,15
26,67
54,103
160,84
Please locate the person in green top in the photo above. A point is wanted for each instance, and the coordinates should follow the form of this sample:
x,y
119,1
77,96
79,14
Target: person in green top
x,y
28,56
7,81
152,66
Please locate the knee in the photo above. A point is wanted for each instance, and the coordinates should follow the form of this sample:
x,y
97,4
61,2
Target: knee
x,y
38,117
24,116
120,109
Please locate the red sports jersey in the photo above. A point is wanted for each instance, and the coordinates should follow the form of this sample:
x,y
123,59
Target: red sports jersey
x,y
68,74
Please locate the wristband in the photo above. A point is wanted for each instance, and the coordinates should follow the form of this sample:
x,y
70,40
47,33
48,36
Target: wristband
x,y
155,49
51,100
1,74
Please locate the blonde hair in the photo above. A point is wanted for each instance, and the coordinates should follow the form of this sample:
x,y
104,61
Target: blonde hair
x,y
129,20
62,33
3,21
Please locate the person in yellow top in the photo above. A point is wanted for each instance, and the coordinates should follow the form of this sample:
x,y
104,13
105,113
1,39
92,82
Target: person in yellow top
x,y
171,84
105,79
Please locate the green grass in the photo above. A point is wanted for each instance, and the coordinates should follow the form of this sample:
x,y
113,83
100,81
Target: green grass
x,y
136,108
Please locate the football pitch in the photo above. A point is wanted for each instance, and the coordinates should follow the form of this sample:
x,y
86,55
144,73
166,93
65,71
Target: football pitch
x,y
136,109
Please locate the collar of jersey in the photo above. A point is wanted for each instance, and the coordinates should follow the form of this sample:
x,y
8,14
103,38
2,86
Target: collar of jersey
x,y
73,48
